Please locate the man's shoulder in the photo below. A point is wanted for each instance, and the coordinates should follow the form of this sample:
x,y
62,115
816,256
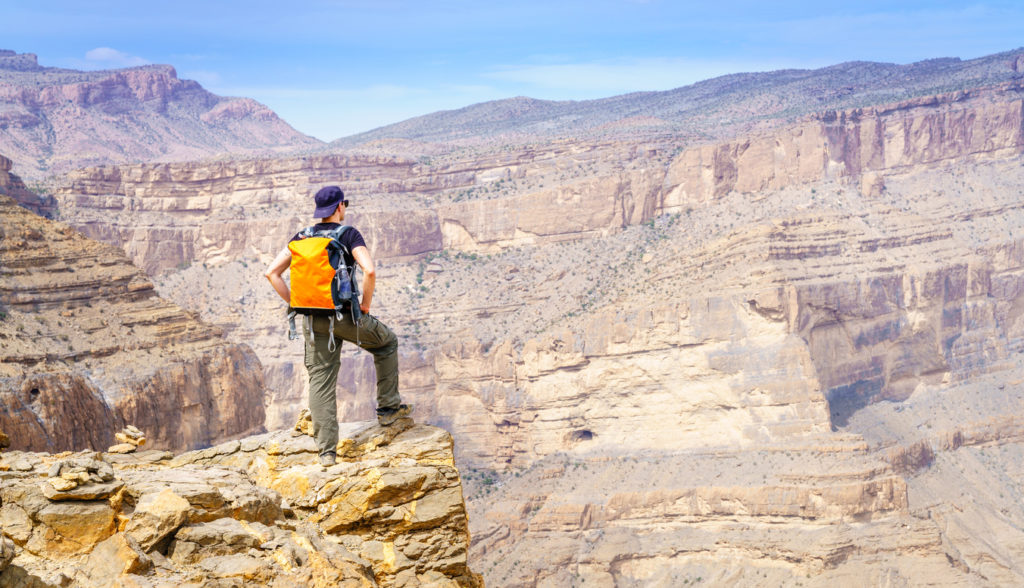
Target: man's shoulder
x,y
353,238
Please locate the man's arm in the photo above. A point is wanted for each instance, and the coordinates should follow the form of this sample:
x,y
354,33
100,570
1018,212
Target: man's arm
x,y
274,271
362,255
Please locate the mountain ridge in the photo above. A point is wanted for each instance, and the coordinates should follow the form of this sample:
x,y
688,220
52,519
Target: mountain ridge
x,y
829,87
53,120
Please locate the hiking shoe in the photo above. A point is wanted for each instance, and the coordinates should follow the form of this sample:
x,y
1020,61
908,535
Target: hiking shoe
x,y
328,459
389,416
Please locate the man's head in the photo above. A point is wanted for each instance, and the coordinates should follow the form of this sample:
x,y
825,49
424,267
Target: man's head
x,y
327,200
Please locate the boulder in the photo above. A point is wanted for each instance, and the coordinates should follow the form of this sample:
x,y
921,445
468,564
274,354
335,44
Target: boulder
x,y
117,555
15,523
212,492
71,527
216,538
157,515
122,448
391,513
61,489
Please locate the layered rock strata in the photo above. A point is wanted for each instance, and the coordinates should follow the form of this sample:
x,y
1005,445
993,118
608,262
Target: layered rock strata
x,y
664,360
86,345
52,119
984,122
257,510
821,511
469,207
169,214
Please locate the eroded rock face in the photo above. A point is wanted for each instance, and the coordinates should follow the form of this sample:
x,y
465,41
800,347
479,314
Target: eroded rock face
x,y
847,144
723,391
57,119
260,509
167,216
88,346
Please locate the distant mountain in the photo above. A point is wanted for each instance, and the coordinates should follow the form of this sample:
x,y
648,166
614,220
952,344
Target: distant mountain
x,y
54,119
712,109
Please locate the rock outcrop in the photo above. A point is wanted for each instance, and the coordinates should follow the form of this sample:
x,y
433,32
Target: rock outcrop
x,y
53,120
256,511
12,185
86,346
767,359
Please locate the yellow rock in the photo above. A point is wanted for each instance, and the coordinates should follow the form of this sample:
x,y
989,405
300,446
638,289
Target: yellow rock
x,y
120,554
304,424
71,527
122,448
126,439
156,516
62,483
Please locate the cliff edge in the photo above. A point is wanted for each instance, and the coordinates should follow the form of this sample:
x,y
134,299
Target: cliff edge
x,y
255,511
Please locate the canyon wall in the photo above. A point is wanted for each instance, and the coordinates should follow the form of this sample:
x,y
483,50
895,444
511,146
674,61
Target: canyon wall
x,y
774,359
171,216
87,346
985,122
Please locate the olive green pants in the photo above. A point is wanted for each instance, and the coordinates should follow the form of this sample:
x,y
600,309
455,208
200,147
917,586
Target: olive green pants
x,y
322,365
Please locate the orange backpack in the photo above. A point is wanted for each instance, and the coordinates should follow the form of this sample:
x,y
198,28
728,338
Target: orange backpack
x,y
321,283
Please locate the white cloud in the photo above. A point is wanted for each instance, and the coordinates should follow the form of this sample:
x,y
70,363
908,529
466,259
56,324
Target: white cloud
x,y
107,57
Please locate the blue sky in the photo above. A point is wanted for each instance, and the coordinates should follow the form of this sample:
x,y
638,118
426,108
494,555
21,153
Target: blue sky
x,y
332,67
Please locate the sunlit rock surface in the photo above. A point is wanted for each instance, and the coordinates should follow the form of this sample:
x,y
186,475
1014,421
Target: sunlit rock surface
x,y
259,510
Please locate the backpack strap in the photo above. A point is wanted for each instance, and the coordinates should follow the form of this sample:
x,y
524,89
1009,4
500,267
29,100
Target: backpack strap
x,y
336,235
338,232
291,326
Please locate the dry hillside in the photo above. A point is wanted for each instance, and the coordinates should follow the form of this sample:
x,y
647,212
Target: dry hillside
x,y
53,120
787,353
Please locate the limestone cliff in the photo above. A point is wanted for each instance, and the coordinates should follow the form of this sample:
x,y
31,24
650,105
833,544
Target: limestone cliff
x,y
255,511
770,359
984,122
86,346
52,119
168,216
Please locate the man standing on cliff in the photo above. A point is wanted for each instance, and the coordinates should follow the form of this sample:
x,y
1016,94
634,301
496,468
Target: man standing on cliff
x,y
323,348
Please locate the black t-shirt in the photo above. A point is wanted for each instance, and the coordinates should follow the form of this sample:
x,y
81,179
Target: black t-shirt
x,y
351,239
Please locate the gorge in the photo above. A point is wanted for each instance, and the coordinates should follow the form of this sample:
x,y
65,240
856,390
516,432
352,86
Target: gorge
x,y
793,355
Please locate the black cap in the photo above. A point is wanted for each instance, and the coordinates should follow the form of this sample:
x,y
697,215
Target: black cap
x,y
327,199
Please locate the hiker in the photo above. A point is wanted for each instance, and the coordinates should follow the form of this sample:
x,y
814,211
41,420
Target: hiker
x,y
349,319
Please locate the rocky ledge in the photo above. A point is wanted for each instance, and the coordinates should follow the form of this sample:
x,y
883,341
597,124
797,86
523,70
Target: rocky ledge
x,y
256,511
